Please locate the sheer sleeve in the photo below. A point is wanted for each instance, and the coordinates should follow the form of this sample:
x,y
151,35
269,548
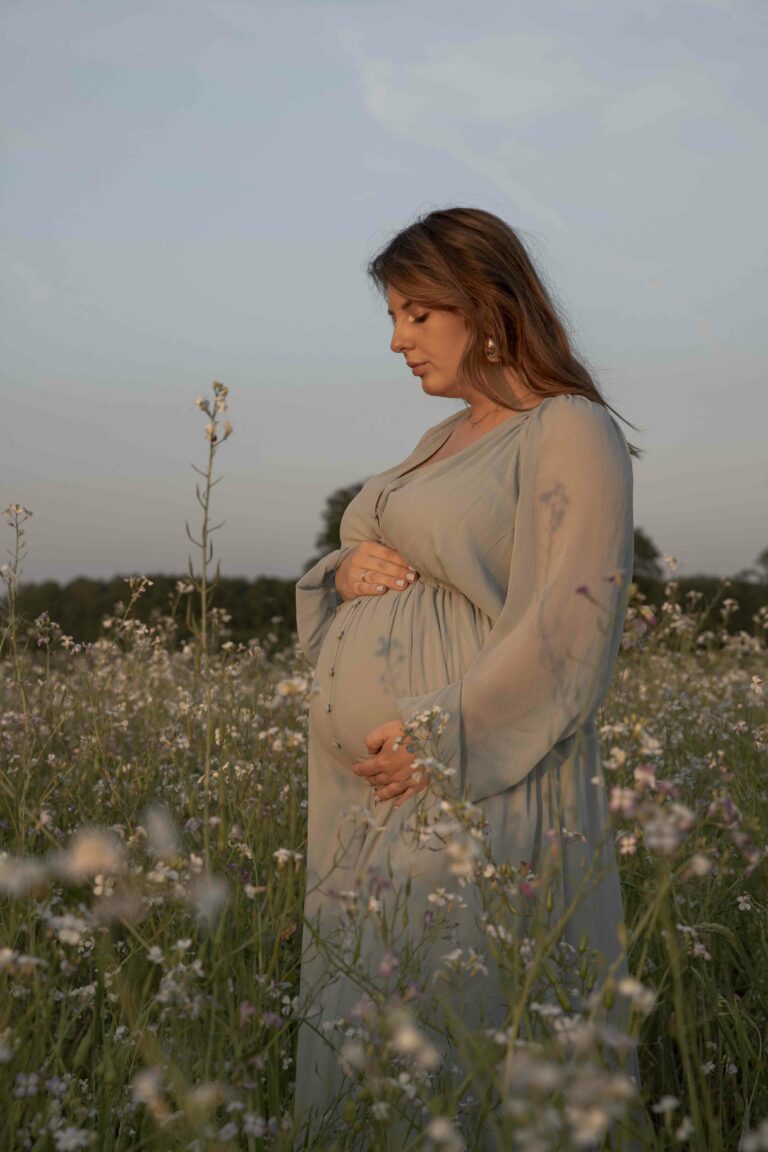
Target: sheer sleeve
x,y
317,601
550,655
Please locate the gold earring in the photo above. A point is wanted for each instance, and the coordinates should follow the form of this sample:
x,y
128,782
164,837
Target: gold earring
x,y
491,351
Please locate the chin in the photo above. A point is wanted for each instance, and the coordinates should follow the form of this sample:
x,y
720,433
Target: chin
x,y
436,388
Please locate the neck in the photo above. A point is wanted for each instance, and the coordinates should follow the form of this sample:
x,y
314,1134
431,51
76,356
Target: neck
x,y
481,408
482,412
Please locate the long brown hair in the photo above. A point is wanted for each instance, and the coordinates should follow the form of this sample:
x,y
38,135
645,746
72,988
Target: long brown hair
x,y
469,261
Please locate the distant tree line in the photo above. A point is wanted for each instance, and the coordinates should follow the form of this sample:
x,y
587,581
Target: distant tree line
x,y
255,607
266,605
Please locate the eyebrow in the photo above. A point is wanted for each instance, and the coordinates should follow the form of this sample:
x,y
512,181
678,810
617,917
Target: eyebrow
x,y
405,304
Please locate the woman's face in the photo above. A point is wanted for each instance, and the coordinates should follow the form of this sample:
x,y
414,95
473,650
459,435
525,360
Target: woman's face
x,y
432,340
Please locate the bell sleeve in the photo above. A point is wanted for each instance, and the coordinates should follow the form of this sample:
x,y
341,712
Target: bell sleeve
x,y
317,601
550,654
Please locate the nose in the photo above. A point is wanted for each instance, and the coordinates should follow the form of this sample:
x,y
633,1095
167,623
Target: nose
x,y
398,343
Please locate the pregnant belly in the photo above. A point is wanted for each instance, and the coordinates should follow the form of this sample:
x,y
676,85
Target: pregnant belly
x,y
381,647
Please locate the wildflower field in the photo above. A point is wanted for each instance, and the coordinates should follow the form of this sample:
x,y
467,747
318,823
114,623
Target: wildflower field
x,y
152,830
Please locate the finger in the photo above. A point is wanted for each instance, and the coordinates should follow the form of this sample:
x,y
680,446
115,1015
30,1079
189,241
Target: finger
x,y
384,552
394,788
391,570
403,779
375,739
392,566
370,585
379,778
405,796
374,581
367,768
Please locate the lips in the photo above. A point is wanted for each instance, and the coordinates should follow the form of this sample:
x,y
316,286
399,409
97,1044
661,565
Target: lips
x,y
416,368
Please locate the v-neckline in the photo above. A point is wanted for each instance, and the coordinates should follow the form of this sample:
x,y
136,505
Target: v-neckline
x,y
422,465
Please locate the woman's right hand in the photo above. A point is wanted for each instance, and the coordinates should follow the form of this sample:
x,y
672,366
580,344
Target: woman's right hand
x,y
371,569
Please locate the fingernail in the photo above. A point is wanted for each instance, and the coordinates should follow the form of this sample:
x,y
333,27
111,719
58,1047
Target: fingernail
x,y
411,567
400,583
379,587
411,576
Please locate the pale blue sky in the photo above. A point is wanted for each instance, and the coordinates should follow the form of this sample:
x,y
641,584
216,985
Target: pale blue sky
x,y
191,192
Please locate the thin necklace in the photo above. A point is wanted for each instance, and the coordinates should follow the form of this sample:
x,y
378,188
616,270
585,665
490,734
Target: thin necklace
x,y
475,422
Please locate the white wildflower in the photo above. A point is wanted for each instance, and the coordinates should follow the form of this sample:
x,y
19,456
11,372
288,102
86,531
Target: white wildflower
x,y
623,801
665,1105
71,1139
617,758
146,1086
69,929
293,686
442,1133
757,1140
91,852
588,1124
649,745
208,896
699,865
352,1057
642,999
546,1009
645,777
684,1130
161,834
408,1040
19,877
667,828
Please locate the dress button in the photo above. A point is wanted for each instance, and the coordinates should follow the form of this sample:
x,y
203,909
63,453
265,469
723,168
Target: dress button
x,y
338,745
327,707
339,634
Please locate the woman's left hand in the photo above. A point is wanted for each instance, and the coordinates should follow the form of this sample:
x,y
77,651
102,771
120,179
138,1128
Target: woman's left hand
x,y
390,772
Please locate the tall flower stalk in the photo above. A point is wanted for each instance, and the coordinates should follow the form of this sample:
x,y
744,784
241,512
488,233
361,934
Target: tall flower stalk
x,y
16,516
217,430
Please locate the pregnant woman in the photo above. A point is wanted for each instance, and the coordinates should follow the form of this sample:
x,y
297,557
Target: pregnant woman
x,y
486,575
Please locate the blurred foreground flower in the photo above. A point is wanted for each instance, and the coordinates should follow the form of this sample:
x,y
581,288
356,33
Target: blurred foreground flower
x,y
161,834
91,852
408,1040
208,896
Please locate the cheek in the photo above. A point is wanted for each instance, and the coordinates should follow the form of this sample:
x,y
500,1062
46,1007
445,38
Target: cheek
x,y
456,340
451,353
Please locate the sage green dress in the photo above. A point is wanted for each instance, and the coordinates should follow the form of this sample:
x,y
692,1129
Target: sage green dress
x,y
523,542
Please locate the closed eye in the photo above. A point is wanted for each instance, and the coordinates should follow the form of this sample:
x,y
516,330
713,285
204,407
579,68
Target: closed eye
x,y
415,319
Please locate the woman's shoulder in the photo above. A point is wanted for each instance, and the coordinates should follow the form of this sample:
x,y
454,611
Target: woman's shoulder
x,y
569,406
569,413
577,428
